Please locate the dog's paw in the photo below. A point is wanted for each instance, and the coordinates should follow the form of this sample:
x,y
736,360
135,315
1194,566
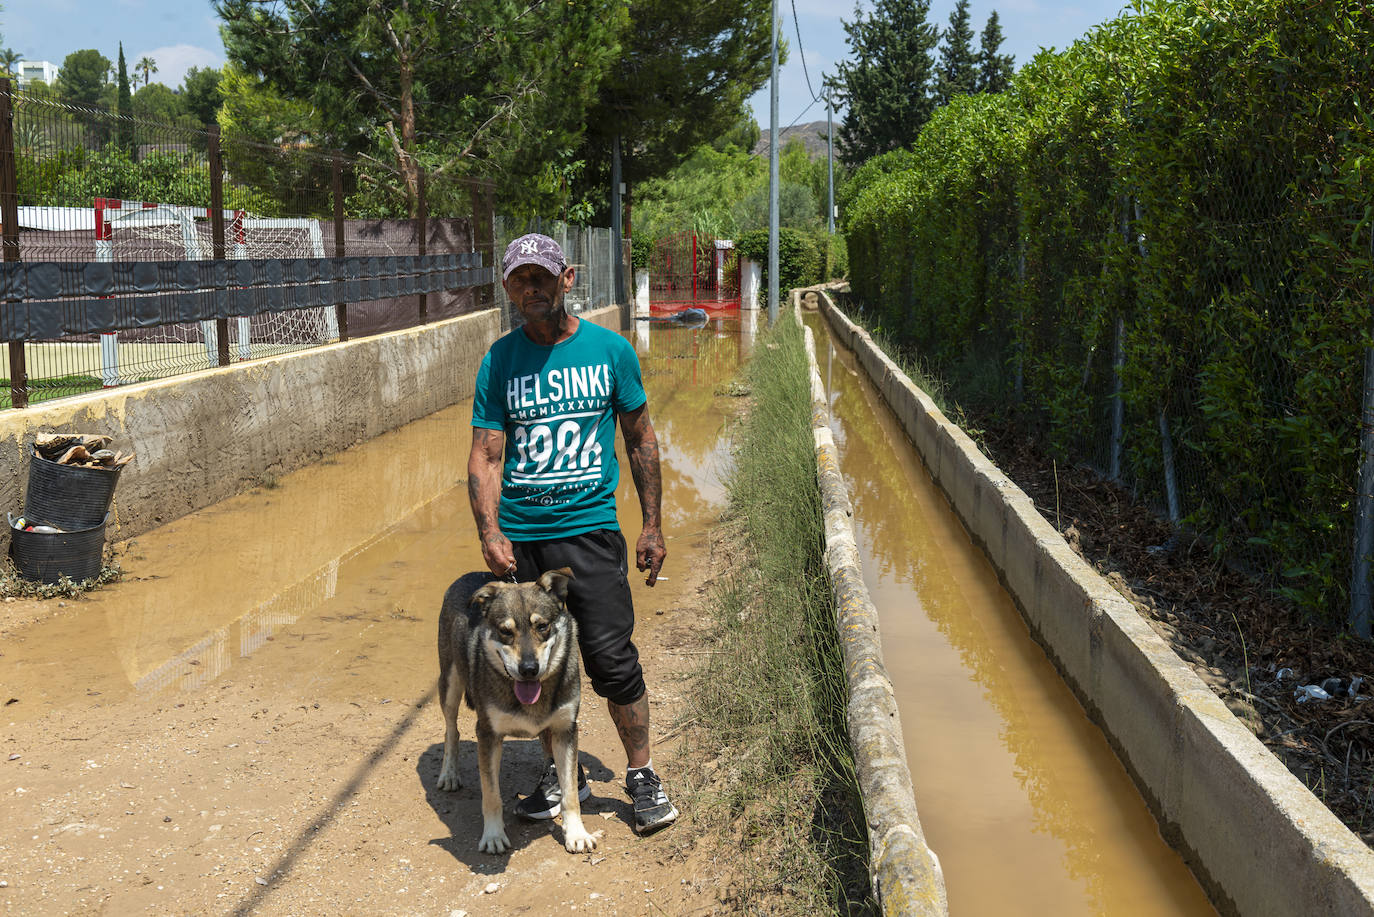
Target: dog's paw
x,y
579,842
494,840
448,781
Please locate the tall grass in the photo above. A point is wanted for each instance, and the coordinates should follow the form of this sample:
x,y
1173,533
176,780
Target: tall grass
x,y
772,697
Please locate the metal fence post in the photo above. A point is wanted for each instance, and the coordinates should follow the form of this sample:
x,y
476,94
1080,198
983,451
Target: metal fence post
x,y
1119,362
483,238
422,230
1361,593
340,308
9,216
217,231
1118,405
1166,441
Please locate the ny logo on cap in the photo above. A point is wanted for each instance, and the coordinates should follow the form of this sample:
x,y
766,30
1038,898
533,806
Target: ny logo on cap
x,y
529,247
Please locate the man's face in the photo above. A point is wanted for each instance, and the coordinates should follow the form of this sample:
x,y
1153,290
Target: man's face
x,y
536,293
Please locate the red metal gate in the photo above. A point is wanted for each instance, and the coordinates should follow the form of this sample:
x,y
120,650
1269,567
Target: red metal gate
x,y
688,270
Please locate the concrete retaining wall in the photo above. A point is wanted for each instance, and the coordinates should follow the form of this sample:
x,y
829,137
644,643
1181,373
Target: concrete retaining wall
x,y
905,873
1257,839
203,437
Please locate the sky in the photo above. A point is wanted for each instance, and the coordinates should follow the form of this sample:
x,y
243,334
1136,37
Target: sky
x,y
179,34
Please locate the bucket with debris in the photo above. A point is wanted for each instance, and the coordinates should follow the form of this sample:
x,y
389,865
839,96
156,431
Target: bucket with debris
x,y
72,478
44,553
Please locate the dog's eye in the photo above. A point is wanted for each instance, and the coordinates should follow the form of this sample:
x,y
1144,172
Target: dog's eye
x,y
506,630
542,627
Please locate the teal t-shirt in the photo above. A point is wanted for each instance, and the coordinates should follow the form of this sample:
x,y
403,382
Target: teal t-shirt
x,y
557,406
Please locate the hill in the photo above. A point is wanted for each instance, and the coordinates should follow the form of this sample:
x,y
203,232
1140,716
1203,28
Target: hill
x,y
812,134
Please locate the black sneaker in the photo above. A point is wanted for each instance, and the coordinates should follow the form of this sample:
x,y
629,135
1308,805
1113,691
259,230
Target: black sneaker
x,y
652,808
547,799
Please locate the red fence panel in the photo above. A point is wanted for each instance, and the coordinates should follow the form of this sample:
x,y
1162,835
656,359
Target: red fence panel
x,y
687,270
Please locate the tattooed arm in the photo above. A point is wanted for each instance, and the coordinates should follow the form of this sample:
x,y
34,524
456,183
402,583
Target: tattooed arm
x,y
484,495
642,446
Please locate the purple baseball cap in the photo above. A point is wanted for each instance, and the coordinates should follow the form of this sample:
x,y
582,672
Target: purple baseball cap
x,y
533,248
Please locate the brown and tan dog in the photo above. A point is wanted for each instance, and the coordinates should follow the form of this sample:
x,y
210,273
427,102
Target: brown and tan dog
x,y
511,650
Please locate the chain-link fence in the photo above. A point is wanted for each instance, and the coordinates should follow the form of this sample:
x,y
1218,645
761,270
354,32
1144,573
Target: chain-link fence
x,y
129,214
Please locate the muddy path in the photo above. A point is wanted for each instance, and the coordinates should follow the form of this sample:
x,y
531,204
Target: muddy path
x,y
246,724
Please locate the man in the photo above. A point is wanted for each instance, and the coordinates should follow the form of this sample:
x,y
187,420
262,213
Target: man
x,y
541,480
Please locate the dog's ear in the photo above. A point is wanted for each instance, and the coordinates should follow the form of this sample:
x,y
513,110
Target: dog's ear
x,y
484,595
555,582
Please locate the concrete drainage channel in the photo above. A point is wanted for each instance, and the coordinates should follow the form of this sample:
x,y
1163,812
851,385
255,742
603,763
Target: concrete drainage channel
x,y
1255,837
905,873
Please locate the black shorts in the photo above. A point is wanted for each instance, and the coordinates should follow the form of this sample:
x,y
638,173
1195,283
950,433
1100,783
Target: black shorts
x,y
599,600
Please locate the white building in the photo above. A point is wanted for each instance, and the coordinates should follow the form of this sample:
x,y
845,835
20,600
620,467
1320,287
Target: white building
x,y
30,70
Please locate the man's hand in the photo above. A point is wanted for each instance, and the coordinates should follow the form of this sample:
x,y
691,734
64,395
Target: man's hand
x,y
499,555
641,447
649,553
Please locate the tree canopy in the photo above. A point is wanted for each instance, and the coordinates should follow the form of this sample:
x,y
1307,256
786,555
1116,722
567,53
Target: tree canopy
x,y
957,73
201,90
994,70
496,87
681,79
83,77
886,87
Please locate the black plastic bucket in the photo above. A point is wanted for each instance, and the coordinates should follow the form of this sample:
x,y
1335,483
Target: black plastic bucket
x,y
45,556
68,496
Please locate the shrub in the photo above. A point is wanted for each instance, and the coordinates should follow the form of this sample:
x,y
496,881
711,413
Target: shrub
x,y
799,259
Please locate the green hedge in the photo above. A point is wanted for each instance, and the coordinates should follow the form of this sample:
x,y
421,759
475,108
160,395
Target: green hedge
x,y
804,258
1201,173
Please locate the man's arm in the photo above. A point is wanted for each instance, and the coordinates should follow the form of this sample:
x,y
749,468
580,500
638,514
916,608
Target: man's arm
x,y
484,495
642,447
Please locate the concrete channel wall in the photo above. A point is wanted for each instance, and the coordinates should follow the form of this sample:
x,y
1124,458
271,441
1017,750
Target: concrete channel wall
x,y
905,873
1258,840
202,437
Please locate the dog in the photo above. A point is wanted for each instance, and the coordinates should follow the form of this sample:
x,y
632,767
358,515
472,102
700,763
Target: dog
x,y
511,650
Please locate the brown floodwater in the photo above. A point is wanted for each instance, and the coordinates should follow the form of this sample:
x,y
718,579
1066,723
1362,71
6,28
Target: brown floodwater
x,y
326,559
1020,796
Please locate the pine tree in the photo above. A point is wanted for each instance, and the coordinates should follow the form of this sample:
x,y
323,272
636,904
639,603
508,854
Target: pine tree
x,y
886,87
958,69
124,106
681,79
994,70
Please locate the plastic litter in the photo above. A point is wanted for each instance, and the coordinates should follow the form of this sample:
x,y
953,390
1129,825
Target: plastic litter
x,y
1282,674
1306,693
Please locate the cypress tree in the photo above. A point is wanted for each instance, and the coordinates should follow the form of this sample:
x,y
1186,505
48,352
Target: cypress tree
x,y
958,69
124,107
994,70
886,87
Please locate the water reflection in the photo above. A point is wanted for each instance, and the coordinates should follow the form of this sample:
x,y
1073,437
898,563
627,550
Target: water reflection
x,y
686,370
1007,769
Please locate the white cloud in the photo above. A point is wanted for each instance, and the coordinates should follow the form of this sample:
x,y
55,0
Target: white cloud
x,y
174,60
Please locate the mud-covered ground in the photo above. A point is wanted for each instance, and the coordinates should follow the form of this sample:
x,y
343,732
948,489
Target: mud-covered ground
x,y
1252,648
317,795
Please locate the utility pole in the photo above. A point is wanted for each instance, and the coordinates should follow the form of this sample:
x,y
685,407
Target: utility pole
x,y
829,165
617,228
773,173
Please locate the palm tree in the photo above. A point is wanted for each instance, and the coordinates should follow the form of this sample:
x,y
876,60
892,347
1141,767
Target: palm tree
x,y
146,66
8,58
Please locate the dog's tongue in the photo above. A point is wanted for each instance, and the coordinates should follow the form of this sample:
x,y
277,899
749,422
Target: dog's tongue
x,y
527,692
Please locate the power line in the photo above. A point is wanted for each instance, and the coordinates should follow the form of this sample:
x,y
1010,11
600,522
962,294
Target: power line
x,y
803,111
795,120
802,51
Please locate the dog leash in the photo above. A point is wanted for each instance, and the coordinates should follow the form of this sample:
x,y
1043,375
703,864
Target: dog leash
x,y
510,572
